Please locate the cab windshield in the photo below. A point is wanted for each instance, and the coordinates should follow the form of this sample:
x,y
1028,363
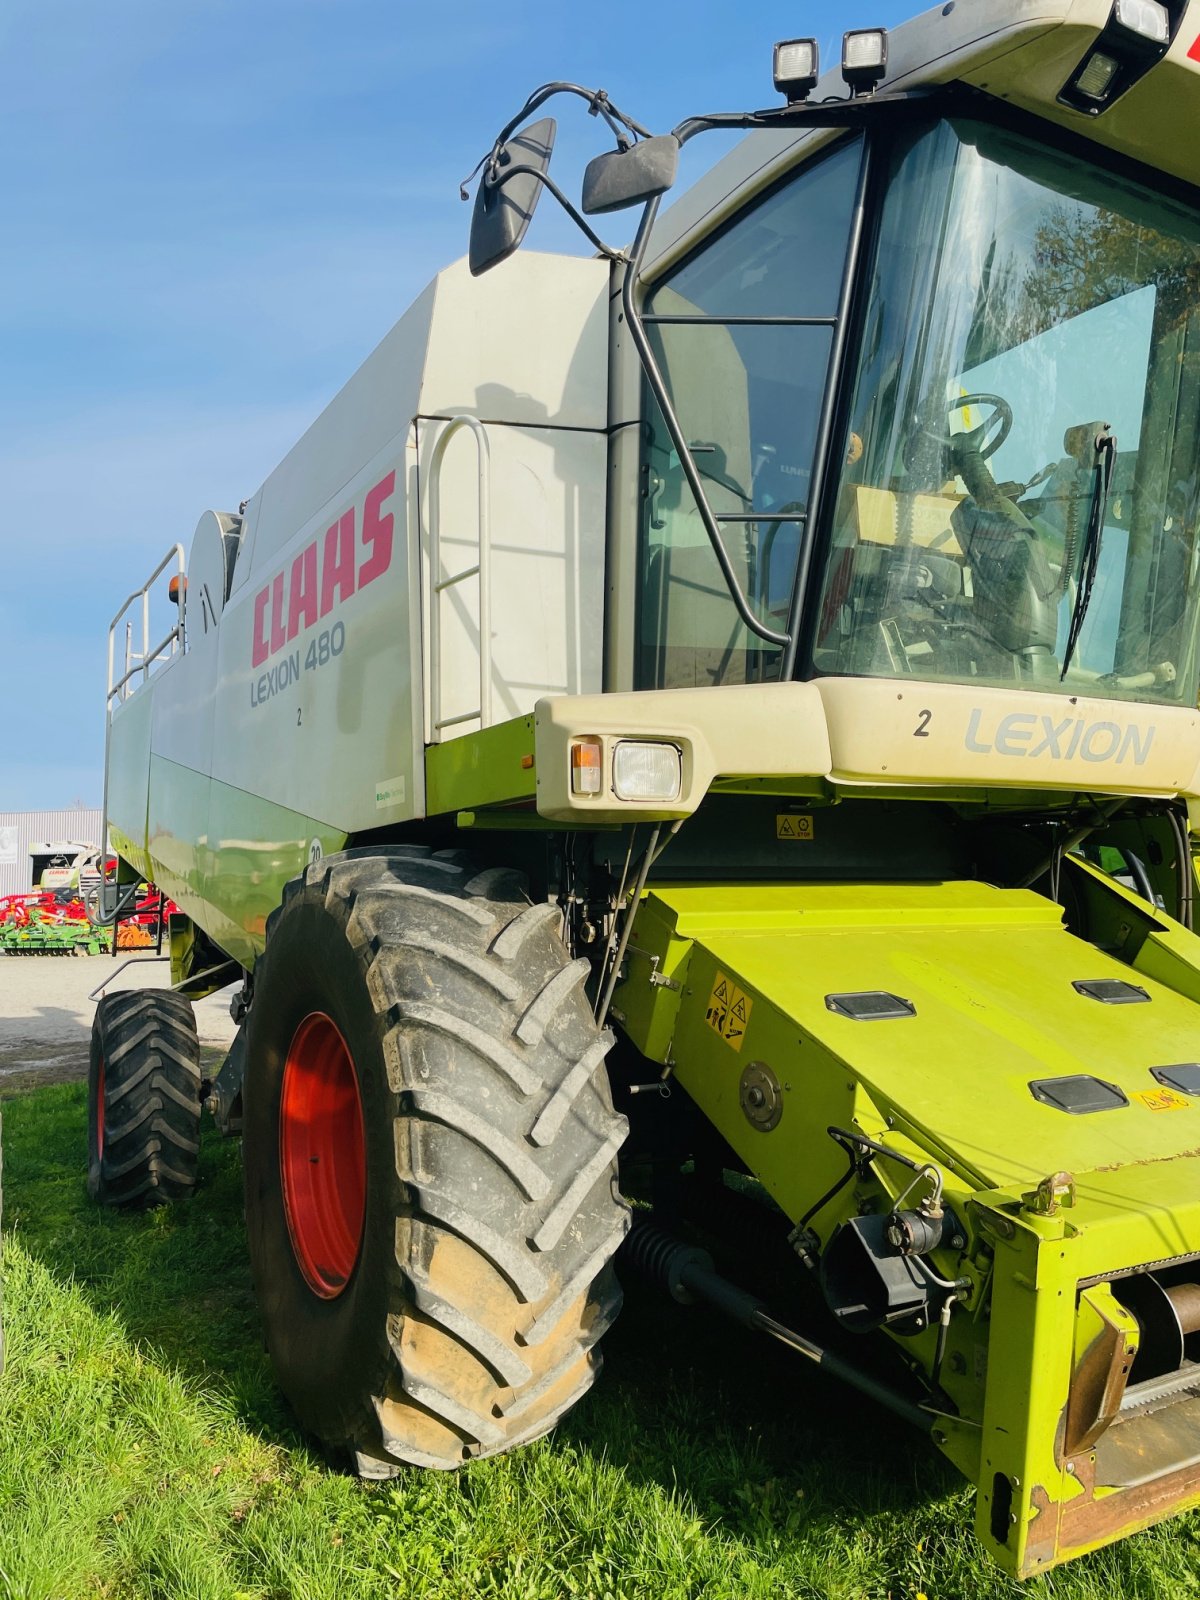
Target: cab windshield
x,y
1020,476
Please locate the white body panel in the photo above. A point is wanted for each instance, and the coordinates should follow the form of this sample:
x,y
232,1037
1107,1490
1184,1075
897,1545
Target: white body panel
x,y
303,694
524,350
547,570
315,711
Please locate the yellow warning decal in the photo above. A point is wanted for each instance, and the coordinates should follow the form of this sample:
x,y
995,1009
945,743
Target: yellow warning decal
x,y
1161,1099
728,1010
790,826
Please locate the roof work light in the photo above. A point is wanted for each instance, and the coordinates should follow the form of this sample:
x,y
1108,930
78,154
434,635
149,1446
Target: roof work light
x,y
1136,36
797,68
1096,79
864,58
1147,18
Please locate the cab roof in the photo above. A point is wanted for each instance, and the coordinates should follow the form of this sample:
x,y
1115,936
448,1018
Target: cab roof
x,y
1020,52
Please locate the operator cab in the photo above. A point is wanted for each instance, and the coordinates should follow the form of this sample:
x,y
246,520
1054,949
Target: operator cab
x,y
998,482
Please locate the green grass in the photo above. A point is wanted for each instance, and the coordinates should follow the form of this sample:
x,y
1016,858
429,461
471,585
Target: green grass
x,y
144,1451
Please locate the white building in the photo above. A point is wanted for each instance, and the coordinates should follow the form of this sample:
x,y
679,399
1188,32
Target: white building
x,y
21,829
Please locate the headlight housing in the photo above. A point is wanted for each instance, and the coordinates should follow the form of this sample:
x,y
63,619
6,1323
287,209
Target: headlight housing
x,y
646,770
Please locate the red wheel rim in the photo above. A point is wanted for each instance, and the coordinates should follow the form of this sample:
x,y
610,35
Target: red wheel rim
x,y
322,1155
100,1110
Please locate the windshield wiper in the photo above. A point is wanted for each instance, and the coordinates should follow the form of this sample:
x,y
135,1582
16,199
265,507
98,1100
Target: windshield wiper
x,y
1089,560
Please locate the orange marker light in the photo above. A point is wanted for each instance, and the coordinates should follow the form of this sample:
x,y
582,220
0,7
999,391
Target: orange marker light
x,y
585,766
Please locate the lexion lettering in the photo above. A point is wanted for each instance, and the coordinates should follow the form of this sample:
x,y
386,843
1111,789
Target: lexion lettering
x,y
1024,733
278,677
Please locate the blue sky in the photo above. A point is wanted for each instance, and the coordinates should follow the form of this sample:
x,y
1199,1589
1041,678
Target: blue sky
x,y
213,210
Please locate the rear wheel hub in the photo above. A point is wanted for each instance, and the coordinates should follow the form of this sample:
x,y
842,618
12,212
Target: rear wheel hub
x,y
322,1155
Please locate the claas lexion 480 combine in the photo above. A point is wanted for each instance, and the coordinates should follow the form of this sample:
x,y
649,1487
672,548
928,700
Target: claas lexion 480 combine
x,y
725,706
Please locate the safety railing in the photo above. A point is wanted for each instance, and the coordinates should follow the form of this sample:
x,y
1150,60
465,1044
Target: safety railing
x,y
439,584
141,661
109,904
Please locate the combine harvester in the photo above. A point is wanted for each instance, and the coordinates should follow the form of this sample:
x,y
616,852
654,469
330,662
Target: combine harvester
x,y
761,663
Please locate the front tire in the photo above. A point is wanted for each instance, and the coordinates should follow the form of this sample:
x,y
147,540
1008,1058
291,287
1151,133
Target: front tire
x,y
143,1099
430,1157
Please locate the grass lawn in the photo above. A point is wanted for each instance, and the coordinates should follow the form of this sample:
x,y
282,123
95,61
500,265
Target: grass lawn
x,y
144,1450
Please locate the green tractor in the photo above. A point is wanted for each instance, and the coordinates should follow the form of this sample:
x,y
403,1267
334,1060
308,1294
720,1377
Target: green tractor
x,y
724,710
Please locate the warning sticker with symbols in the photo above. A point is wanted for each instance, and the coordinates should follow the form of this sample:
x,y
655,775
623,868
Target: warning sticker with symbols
x,y
728,1010
790,826
1162,1099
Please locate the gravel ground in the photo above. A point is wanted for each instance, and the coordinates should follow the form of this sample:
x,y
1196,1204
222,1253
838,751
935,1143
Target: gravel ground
x,y
46,1016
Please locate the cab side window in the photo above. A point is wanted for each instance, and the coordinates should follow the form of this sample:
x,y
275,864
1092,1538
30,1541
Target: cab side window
x,y
743,330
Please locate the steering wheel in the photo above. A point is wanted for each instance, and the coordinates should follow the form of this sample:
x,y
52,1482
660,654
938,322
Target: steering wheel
x,y
923,442
1001,420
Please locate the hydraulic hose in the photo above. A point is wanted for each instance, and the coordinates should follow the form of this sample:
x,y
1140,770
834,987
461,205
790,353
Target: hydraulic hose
x,y
688,1275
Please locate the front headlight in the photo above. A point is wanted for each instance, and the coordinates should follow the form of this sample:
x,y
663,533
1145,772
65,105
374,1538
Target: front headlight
x,y
646,771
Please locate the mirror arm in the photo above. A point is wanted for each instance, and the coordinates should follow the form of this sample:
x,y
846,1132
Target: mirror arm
x,y
598,104
858,112
686,460
548,183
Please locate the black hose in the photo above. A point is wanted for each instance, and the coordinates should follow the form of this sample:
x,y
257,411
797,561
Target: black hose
x,y
1183,865
1104,813
1141,878
687,1273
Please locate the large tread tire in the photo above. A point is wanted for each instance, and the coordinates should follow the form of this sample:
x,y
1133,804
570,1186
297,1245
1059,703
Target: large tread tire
x,y
470,1319
143,1099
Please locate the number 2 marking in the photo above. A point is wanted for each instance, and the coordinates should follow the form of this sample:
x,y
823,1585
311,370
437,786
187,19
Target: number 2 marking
x,y
921,731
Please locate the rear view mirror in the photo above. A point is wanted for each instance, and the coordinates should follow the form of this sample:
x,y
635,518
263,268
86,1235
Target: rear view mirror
x,y
630,177
504,205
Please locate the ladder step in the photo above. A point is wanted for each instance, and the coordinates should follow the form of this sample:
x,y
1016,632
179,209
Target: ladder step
x,y
458,577
466,716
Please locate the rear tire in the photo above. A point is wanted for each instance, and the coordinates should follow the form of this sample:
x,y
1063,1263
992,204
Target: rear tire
x,y
430,1156
143,1099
